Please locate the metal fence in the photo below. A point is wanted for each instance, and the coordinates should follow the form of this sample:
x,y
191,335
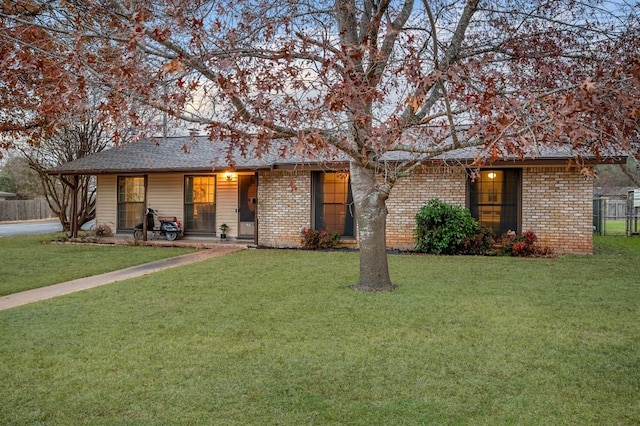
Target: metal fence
x,y
633,213
25,210
616,215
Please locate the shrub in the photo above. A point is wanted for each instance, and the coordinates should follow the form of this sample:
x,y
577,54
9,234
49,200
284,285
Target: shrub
x,y
480,243
103,231
442,228
522,246
314,240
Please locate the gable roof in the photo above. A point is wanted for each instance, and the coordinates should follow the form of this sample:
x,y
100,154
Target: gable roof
x,y
198,154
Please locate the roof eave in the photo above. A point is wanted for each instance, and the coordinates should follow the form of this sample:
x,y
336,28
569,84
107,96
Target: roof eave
x,y
328,165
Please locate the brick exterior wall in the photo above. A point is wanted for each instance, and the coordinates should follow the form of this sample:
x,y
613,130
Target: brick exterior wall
x,y
556,205
284,207
413,192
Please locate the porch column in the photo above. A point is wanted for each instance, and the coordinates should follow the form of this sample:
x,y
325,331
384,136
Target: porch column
x,y
144,209
74,207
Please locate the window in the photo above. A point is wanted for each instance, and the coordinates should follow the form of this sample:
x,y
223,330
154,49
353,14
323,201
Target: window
x,y
130,201
200,204
333,207
494,199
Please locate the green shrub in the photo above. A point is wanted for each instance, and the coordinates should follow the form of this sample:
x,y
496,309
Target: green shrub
x,y
442,228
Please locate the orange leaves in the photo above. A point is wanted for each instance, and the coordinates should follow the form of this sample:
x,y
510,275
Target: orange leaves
x,y
173,66
588,86
414,102
25,7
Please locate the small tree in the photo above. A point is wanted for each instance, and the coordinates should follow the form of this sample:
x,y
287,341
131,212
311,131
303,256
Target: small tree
x,y
87,136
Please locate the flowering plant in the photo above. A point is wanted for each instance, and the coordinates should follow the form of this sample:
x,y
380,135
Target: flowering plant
x,y
523,246
314,240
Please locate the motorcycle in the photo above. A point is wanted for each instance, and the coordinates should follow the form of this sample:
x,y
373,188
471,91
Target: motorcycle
x,y
169,228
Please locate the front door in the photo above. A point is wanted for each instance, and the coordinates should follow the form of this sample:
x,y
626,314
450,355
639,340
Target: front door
x,y
247,202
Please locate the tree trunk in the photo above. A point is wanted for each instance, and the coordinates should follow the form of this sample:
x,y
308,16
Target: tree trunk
x,y
630,170
371,218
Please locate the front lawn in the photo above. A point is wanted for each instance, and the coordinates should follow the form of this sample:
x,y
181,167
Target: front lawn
x,y
277,337
32,261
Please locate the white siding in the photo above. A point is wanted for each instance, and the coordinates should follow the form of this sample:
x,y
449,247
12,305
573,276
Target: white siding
x,y
165,194
107,201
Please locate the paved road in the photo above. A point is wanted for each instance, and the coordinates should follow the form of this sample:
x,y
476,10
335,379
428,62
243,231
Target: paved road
x,y
32,227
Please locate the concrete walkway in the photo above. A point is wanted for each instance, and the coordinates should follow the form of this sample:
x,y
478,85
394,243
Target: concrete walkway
x,y
49,292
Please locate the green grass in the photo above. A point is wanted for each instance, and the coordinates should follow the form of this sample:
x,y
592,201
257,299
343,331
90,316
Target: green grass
x,y
33,261
615,227
277,337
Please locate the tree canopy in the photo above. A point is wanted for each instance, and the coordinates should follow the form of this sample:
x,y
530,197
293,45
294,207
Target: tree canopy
x,y
391,84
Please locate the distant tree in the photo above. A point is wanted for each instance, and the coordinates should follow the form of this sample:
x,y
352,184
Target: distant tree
x,y
611,176
372,79
631,170
7,184
16,176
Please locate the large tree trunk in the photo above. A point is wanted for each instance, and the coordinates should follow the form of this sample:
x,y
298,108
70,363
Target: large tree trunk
x,y
371,218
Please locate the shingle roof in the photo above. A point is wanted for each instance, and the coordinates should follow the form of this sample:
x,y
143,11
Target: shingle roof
x,y
164,155
198,154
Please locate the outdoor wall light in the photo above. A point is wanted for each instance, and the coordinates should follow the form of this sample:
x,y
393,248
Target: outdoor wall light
x,y
229,176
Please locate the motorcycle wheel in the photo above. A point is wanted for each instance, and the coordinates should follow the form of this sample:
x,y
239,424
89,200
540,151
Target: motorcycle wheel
x,y
172,235
138,234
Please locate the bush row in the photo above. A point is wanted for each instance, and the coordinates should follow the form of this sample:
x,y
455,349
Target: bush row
x,y
442,228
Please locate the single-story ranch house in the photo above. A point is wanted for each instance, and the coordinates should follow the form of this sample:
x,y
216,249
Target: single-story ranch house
x,y
267,200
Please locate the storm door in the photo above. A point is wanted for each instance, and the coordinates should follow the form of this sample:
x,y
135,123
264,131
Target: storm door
x,y
247,204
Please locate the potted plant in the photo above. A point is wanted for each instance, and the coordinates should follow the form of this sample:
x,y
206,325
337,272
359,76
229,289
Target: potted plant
x,y
223,231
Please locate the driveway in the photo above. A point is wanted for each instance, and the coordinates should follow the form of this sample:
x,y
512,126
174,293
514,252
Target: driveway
x,y
29,227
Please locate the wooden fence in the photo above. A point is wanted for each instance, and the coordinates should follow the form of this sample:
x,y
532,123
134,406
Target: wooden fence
x,y
615,209
24,210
